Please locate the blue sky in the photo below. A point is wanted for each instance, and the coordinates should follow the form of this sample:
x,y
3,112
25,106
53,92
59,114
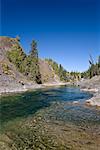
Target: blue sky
x,y
66,30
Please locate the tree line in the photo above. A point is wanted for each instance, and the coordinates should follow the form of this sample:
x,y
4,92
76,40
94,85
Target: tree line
x,y
26,64
63,74
29,64
93,70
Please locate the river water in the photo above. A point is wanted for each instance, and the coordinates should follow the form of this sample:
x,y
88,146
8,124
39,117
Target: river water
x,y
48,119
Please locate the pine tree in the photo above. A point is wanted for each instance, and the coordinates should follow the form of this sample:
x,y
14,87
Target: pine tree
x,y
34,67
99,61
34,51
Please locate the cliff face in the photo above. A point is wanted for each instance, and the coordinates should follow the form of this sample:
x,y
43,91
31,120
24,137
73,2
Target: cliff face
x,y
47,73
11,77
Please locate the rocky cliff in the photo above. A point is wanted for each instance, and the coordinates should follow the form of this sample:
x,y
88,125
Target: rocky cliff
x,y
11,78
47,73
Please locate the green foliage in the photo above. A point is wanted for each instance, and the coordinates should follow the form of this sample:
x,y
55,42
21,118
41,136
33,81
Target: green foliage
x,y
17,56
5,68
58,69
34,51
93,70
34,67
85,74
74,76
62,73
28,65
98,62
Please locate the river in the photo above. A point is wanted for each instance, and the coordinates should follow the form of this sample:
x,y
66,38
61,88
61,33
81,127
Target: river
x,y
48,119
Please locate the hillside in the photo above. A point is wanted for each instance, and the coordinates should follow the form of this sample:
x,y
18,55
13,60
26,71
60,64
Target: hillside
x,y
92,85
11,78
47,73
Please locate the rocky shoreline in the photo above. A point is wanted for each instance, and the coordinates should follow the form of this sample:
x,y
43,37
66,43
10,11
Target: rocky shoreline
x,y
8,90
95,100
93,86
27,87
89,85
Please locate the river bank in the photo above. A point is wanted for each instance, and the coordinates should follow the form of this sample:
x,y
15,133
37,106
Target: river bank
x,y
18,89
87,85
93,86
28,87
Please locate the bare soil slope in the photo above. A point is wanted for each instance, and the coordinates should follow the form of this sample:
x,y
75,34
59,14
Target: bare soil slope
x,y
10,78
47,73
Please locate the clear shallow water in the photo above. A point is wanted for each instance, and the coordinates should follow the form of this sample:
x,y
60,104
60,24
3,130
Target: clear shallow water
x,y
25,104
47,119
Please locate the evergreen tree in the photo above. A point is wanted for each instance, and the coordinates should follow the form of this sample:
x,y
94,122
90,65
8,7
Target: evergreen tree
x,y
99,61
34,51
93,70
28,65
34,67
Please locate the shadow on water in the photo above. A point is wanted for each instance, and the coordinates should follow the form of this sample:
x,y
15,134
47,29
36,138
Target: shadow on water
x,y
23,105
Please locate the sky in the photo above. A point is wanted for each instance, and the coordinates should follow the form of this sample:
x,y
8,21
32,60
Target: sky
x,y
67,31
